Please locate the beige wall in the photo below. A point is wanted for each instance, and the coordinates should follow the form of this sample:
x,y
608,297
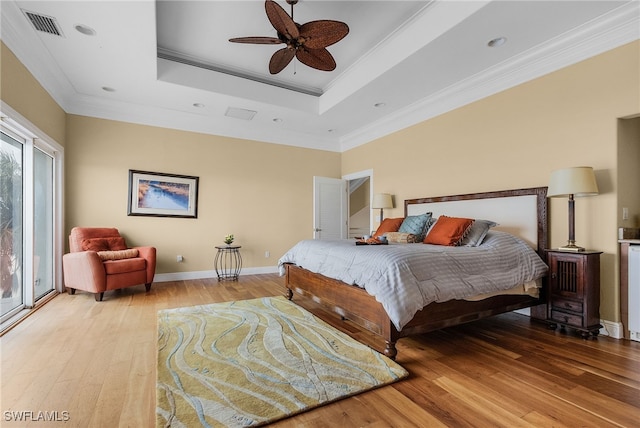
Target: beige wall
x,y
262,193
24,94
514,139
359,198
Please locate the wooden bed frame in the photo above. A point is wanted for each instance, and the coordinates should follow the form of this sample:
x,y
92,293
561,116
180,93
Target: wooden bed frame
x,y
354,303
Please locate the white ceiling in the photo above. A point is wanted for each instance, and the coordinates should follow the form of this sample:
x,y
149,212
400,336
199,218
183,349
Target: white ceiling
x,y
170,64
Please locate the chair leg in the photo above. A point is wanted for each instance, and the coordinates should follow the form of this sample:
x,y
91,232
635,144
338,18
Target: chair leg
x,y
98,296
147,287
72,291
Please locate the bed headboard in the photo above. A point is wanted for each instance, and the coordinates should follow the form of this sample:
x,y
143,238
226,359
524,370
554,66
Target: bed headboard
x,y
521,212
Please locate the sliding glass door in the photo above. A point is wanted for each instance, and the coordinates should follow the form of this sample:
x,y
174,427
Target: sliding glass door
x,y
11,225
30,217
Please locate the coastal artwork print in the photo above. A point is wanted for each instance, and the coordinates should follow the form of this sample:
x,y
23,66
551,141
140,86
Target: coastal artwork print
x,y
162,195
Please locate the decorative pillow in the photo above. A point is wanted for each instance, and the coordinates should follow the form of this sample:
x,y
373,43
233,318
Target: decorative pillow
x,y
112,243
388,225
118,254
402,238
415,224
477,232
448,231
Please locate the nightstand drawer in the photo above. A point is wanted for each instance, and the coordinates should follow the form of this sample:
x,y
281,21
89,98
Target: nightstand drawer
x,y
566,305
566,318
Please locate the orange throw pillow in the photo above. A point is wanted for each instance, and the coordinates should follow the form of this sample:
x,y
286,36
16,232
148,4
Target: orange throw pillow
x,y
448,231
388,225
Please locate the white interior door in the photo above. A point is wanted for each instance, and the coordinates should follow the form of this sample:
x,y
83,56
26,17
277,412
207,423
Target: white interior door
x,y
329,208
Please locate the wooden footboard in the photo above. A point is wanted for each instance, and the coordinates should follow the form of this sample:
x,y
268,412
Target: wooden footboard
x,y
355,304
348,301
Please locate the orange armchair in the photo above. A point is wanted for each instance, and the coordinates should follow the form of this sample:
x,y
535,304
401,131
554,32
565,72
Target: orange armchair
x,y
99,261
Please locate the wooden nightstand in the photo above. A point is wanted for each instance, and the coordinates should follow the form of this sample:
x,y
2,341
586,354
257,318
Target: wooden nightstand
x,y
574,291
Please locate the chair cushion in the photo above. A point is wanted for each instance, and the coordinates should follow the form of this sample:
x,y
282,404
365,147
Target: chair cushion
x,y
125,265
78,234
113,243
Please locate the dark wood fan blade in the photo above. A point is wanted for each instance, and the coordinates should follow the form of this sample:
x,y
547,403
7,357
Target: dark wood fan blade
x,y
319,59
280,60
320,34
257,40
280,20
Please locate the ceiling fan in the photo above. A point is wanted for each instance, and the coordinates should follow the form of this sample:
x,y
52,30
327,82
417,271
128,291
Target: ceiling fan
x,y
307,42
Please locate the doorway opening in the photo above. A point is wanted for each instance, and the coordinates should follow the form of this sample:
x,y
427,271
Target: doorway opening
x,y
360,188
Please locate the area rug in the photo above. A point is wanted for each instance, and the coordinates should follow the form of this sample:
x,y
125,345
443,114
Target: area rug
x,y
251,362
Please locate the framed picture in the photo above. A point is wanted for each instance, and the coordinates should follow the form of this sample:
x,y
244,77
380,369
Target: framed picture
x,y
162,195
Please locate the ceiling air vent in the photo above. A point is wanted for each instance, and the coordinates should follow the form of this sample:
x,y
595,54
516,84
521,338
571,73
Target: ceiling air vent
x,y
240,113
44,23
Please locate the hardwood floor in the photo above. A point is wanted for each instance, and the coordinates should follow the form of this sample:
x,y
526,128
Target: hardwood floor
x,y
96,362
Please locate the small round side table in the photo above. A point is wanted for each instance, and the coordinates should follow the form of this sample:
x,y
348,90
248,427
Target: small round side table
x,y
228,262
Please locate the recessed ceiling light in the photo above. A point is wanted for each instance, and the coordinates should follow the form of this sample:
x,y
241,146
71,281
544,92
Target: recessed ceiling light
x,y
330,130
498,41
198,105
108,89
380,104
87,31
277,120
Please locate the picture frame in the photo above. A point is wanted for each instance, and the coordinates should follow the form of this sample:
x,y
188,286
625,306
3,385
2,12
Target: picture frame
x,y
158,194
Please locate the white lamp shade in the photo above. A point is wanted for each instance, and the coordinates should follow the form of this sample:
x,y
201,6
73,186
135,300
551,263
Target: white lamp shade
x,y
382,200
577,181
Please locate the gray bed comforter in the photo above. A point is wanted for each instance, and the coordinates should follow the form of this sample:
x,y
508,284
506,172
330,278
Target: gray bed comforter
x,y
406,277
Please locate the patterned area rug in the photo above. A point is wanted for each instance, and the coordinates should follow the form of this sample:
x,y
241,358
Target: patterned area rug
x,y
251,362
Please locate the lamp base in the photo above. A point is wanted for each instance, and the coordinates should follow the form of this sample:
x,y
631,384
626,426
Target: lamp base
x,y
571,246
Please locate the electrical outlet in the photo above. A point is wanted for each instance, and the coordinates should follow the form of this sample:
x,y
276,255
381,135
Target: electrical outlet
x,y
625,213
267,254
179,258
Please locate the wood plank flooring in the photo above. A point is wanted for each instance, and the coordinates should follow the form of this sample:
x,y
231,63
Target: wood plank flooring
x,y
96,361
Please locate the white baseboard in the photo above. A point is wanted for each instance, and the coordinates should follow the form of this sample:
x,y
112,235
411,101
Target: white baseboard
x,y
179,276
611,329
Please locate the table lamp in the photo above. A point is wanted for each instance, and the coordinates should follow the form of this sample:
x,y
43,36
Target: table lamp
x,y
572,182
382,201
